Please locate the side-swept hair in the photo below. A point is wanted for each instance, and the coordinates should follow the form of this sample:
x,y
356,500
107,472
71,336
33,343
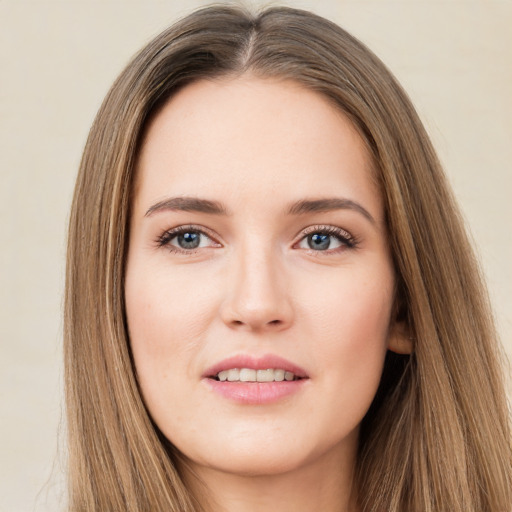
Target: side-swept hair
x,y
437,435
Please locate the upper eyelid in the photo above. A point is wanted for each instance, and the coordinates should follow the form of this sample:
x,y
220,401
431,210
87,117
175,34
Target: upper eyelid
x,y
207,231
331,229
191,227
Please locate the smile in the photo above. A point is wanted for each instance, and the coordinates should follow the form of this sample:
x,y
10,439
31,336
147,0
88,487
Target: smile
x,y
251,380
251,375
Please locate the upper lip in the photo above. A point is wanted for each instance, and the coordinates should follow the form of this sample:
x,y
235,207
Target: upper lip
x,y
256,363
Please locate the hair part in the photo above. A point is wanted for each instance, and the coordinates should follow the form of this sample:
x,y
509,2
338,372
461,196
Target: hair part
x,y
437,435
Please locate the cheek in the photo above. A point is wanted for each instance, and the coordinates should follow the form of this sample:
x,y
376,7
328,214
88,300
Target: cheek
x,y
166,324
350,323
163,306
349,307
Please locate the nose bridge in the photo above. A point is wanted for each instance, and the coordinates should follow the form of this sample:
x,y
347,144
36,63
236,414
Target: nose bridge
x,y
257,295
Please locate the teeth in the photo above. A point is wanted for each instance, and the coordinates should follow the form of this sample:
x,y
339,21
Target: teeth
x,y
265,375
250,375
278,375
233,375
247,375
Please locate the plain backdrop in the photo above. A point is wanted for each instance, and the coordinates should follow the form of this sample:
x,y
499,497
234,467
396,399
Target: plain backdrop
x,y
57,61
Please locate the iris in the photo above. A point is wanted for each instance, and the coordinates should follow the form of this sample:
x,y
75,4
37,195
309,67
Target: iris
x,y
319,241
189,240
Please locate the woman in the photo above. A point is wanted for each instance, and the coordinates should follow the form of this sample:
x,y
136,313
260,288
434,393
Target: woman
x,y
271,300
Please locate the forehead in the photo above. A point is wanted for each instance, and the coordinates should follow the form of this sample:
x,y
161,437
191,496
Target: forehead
x,y
249,138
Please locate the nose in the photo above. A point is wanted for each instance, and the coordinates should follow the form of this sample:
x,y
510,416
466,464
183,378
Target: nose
x,y
257,296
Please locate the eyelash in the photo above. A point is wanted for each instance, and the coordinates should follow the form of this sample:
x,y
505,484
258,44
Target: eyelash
x,y
165,238
346,239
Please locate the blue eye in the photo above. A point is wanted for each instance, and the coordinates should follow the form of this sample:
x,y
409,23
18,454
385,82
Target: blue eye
x,y
185,239
323,238
188,240
320,242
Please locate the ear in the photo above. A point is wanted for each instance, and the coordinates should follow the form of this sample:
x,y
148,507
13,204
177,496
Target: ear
x,y
399,338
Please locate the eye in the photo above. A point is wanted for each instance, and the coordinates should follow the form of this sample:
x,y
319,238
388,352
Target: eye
x,y
186,239
326,238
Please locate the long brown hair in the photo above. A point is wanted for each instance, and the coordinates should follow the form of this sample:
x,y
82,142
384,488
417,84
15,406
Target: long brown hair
x,y
437,436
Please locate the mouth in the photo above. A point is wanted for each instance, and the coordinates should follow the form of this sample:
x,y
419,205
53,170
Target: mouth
x,y
249,380
248,368
252,375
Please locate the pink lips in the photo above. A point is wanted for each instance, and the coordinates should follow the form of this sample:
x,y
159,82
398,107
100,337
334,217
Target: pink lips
x,y
255,392
256,363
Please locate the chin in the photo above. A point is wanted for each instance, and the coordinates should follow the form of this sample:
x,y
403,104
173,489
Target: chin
x,y
256,455
257,464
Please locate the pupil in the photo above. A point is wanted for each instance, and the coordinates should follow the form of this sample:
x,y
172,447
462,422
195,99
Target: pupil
x,y
188,240
318,241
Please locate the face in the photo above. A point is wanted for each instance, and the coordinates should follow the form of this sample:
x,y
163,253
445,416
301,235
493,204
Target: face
x,y
259,284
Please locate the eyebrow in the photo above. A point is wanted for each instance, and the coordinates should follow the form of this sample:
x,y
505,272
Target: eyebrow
x,y
304,206
188,204
328,204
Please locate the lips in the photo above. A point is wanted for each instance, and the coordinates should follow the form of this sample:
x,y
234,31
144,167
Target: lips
x,y
266,362
245,379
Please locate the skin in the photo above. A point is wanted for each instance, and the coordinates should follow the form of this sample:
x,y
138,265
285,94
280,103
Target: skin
x,y
255,286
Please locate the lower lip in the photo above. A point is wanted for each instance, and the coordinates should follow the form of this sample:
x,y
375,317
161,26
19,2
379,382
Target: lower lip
x,y
255,393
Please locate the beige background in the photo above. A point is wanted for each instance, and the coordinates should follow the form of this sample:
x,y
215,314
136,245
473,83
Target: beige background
x,y
57,60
